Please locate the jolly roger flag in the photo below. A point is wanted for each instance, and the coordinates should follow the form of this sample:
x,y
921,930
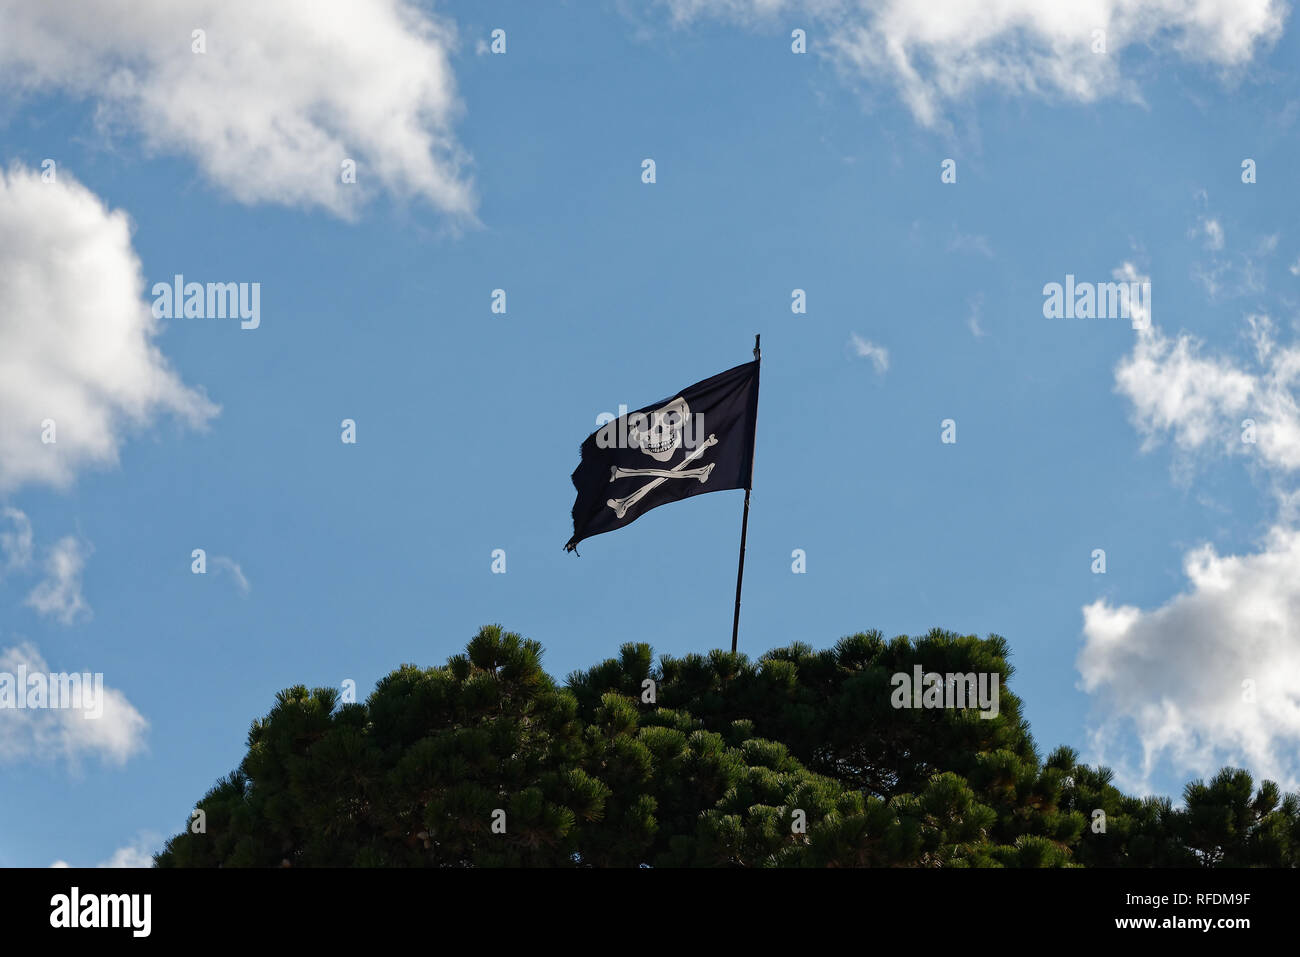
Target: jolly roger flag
x,y
699,440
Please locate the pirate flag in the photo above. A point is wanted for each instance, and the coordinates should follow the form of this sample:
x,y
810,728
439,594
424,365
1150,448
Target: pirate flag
x,y
700,440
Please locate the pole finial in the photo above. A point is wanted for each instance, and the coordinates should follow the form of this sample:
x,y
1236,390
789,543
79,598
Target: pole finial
x,y
757,354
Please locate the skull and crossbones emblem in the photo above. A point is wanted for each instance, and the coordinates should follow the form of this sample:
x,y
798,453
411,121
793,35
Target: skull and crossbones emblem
x,y
660,439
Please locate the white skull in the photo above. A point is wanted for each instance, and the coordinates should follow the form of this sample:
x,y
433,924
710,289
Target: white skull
x,y
663,433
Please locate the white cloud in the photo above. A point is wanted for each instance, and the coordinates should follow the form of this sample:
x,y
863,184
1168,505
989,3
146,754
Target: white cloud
x,y
1139,311
1175,673
76,338
236,573
66,733
139,853
939,51
1213,232
865,349
285,92
59,594
15,546
1201,401
974,243
973,320
1241,275
1211,277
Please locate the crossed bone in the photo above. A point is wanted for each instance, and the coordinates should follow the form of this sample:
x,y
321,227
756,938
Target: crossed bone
x,y
621,505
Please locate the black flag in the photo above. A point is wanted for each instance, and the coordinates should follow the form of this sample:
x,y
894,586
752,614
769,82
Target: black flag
x,y
699,440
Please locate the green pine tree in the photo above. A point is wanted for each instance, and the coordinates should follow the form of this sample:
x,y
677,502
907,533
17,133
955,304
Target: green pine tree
x,y
796,759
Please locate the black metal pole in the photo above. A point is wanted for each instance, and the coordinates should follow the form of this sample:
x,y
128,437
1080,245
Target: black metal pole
x,y
740,574
744,530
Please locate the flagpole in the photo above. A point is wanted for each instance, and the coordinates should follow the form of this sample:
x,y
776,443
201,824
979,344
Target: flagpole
x,y
744,529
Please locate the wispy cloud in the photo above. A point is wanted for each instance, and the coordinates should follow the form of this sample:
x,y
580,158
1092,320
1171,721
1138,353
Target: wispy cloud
x,y
1200,401
59,595
866,349
236,573
16,544
973,318
961,242
1212,230
1228,276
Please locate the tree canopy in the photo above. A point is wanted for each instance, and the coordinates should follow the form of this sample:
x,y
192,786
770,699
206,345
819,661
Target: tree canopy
x,y
797,759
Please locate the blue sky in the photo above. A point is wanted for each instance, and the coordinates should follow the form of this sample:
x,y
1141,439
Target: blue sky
x,y
522,171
